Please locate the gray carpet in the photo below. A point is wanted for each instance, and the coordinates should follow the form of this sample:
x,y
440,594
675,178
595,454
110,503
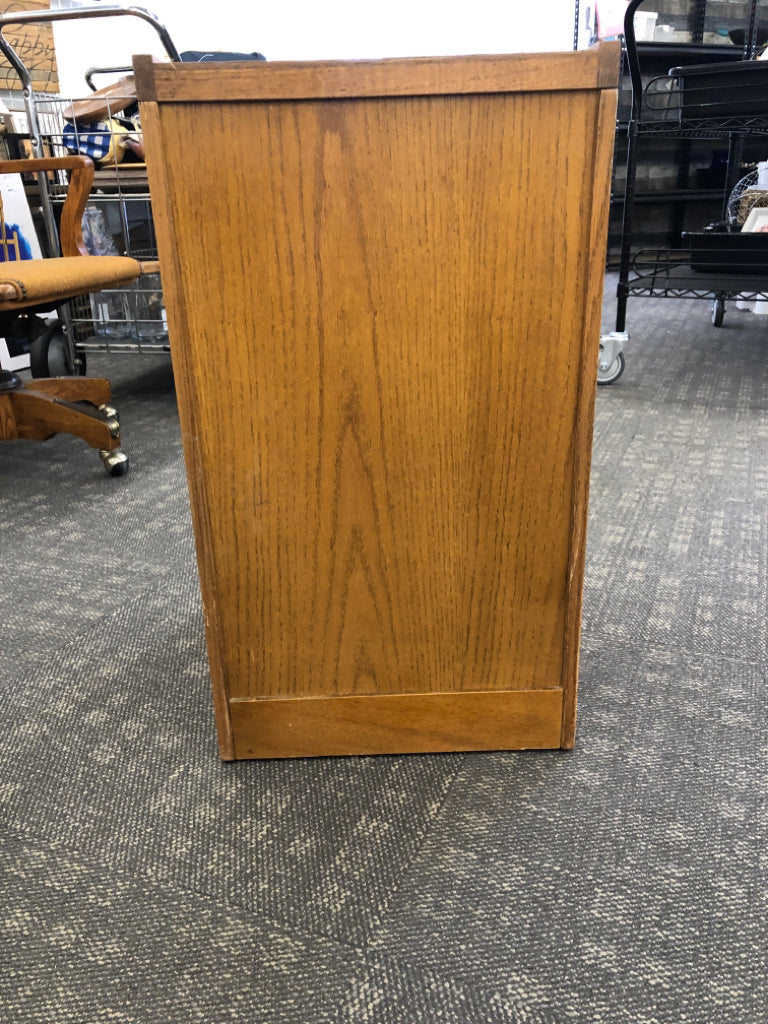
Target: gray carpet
x,y
145,882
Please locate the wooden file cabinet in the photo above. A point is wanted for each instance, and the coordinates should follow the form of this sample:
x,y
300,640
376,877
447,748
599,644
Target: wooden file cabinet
x,y
383,282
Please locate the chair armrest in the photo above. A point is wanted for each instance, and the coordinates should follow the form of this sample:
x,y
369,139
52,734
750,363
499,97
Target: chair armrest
x,y
80,183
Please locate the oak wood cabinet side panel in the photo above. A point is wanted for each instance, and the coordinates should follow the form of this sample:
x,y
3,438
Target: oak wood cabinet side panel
x,y
599,197
292,395
169,209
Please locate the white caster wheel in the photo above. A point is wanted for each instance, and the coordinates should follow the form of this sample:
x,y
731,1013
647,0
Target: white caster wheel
x,y
607,373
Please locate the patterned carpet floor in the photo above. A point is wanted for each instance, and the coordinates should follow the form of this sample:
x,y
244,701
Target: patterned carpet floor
x,y
143,881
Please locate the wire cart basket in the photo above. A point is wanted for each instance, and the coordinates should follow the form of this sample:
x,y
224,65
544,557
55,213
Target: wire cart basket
x,y
103,125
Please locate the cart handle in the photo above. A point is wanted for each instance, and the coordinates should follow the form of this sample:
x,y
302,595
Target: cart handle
x,y
653,92
30,17
124,69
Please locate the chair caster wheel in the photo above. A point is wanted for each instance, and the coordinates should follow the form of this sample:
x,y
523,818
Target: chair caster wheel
x,y
109,411
9,381
115,462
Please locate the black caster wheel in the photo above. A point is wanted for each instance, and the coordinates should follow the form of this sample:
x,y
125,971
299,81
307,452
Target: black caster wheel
x,y
49,354
21,332
718,312
115,462
9,381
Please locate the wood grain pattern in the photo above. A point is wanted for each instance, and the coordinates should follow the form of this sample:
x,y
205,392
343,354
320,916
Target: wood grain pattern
x,y
608,59
94,390
585,412
8,431
397,723
38,415
75,200
403,76
187,391
386,392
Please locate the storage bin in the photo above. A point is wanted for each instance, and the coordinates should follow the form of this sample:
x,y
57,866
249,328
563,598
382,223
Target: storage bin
x,y
734,89
721,252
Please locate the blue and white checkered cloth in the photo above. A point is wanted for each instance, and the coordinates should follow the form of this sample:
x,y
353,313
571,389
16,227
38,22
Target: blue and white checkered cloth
x,y
91,140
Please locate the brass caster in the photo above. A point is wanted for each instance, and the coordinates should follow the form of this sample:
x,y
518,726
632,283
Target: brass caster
x,y
115,461
113,426
109,411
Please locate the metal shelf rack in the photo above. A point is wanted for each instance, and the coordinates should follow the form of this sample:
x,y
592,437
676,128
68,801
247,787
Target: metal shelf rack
x,y
660,109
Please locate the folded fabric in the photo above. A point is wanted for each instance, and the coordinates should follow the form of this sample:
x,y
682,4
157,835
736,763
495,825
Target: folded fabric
x,y
102,141
206,56
29,282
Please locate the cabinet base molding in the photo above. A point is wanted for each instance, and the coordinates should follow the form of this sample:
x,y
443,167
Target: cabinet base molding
x,y
400,723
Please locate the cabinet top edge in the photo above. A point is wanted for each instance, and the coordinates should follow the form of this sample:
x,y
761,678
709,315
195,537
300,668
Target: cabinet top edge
x,y
165,82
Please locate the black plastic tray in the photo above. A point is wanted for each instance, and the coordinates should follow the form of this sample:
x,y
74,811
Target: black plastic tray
x,y
717,252
733,89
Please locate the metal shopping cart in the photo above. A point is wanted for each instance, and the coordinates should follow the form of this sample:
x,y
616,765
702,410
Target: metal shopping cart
x,y
103,125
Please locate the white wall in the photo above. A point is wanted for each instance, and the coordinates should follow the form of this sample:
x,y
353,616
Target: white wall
x,y
314,30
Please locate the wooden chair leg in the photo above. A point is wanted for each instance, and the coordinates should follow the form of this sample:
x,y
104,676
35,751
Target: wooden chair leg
x,y
7,419
95,390
38,415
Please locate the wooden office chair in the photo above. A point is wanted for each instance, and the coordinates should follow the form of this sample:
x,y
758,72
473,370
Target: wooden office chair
x,y
39,408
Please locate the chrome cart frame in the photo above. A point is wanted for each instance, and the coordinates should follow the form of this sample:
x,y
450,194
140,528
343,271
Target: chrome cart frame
x,y
124,319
